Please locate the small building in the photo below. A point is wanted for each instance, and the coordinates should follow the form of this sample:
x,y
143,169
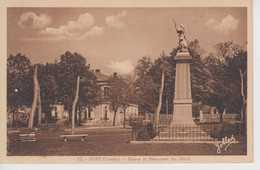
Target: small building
x,y
102,114
57,111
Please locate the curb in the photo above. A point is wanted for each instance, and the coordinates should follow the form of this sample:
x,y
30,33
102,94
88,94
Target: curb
x,y
152,142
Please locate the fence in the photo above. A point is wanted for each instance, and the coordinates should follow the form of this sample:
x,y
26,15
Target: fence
x,y
211,116
186,132
216,117
231,116
204,118
161,117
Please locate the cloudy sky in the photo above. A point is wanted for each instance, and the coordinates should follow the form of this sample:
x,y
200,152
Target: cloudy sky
x,y
113,39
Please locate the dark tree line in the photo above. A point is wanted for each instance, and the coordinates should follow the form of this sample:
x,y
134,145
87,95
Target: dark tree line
x,y
217,80
56,80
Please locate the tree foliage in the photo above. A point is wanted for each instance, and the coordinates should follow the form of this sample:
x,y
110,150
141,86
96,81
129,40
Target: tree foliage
x,y
225,66
57,82
19,81
145,87
115,94
215,80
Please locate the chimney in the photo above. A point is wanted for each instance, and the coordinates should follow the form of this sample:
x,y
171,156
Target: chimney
x,y
97,70
115,74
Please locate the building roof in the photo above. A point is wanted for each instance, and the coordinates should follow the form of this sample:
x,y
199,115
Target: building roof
x,y
101,77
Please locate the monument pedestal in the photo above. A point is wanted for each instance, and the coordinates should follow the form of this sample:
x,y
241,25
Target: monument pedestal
x,y
182,126
182,103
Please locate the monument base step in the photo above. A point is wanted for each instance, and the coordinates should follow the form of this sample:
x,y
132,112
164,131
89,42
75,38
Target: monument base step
x,y
182,134
183,139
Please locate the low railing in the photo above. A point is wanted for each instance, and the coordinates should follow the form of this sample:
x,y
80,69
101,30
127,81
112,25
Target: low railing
x,y
211,116
231,116
217,116
194,131
205,117
185,132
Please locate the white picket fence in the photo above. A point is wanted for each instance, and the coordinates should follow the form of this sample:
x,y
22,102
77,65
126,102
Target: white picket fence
x,y
217,116
206,117
231,116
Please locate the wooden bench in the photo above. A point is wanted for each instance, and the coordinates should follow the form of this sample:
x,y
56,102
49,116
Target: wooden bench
x,y
27,137
83,136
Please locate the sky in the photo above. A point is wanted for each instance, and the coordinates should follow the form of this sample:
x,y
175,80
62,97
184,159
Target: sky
x,y
114,39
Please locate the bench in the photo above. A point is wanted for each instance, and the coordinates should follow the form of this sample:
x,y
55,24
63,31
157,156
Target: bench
x,y
83,136
27,137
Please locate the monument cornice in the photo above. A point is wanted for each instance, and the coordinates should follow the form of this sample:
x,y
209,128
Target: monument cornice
x,y
183,56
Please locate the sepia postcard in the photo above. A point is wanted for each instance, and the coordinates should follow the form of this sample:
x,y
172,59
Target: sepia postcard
x,y
126,82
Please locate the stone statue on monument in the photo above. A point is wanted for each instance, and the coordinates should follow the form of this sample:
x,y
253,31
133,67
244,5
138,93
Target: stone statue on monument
x,y
183,45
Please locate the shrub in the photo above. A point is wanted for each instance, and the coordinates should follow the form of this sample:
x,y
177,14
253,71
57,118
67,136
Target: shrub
x,y
227,130
51,127
150,130
146,133
143,136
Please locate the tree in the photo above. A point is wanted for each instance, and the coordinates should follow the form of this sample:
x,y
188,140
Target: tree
x,y
228,67
19,82
115,94
219,95
225,50
89,92
202,84
242,75
157,114
35,97
145,88
128,97
236,67
70,67
47,77
162,67
39,101
74,106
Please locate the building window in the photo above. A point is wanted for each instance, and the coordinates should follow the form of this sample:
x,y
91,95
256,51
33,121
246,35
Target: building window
x,y
105,91
105,113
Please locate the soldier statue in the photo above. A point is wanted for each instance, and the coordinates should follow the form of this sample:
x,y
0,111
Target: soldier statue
x,y
183,45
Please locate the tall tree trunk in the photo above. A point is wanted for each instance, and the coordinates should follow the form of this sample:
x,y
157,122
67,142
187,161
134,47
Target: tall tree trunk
x,y
76,115
80,114
167,106
160,102
74,107
39,106
34,104
69,111
114,119
242,114
221,117
124,118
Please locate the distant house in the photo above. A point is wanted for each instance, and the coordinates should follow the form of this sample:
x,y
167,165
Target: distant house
x,y
58,112
102,114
